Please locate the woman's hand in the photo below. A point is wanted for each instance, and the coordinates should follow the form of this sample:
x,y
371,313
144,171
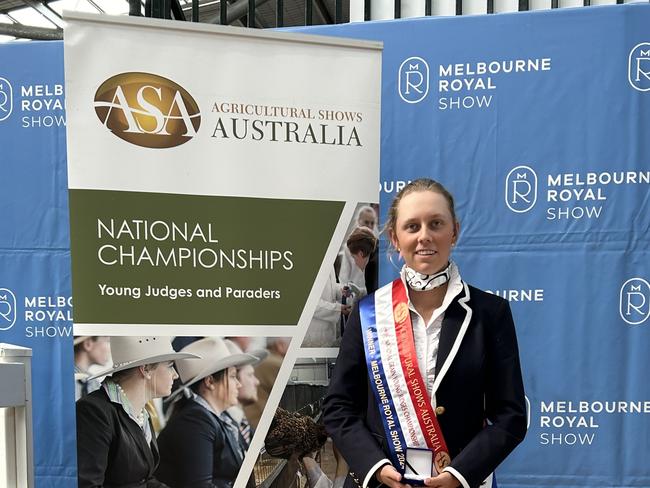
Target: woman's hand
x,y
443,480
390,477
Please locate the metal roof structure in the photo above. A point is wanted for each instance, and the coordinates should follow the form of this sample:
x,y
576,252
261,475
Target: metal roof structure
x,y
41,19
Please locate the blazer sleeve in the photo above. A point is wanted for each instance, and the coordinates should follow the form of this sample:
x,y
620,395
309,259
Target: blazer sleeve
x,y
94,433
505,404
344,408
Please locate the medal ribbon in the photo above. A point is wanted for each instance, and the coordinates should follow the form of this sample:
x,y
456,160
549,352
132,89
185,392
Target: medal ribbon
x,y
416,386
379,386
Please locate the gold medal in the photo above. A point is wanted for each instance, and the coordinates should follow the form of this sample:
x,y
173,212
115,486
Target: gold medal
x,y
401,312
441,461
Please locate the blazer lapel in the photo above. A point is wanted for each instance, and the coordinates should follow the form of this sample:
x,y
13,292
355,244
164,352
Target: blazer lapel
x,y
232,443
154,446
138,438
454,325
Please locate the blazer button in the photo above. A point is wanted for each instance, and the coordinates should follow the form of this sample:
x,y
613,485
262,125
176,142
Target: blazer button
x,y
440,410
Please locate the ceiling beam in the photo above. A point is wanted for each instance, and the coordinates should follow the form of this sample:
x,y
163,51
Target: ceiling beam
x,y
236,11
29,32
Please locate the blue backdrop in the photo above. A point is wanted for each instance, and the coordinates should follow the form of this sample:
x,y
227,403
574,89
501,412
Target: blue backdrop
x,y
550,167
34,255
537,123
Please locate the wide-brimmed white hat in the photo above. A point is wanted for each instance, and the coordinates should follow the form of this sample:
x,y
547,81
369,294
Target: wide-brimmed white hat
x,y
215,356
129,352
259,354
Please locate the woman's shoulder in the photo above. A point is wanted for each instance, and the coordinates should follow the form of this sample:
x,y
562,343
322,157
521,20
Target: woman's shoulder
x,y
191,426
95,399
192,413
96,406
488,305
382,289
485,297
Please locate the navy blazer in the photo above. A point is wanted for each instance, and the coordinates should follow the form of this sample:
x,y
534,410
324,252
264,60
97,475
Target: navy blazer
x,y
478,359
198,451
112,451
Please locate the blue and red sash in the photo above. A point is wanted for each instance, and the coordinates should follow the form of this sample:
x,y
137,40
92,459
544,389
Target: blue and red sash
x,y
395,378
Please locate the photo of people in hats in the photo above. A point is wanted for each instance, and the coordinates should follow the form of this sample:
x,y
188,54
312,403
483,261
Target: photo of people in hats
x,y
169,412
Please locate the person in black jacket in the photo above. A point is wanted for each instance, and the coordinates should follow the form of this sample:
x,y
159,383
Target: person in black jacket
x,y
116,445
435,348
201,447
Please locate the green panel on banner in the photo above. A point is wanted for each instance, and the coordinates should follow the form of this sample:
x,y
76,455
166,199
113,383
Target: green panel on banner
x,y
154,258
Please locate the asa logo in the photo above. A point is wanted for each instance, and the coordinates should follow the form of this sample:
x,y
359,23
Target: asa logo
x,y
635,301
7,309
147,110
6,99
638,67
413,80
521,189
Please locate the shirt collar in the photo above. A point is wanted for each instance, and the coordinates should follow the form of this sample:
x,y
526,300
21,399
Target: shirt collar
x,y
204,403
454,288
237,413
115,395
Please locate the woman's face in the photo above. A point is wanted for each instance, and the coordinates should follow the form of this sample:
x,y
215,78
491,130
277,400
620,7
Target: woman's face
x,y
424,231
367,219
228,389
162,379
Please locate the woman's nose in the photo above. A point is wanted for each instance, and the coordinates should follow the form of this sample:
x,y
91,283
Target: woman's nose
x,y
424,235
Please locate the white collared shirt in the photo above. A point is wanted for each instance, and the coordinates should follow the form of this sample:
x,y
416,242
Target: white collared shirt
x,y
427,335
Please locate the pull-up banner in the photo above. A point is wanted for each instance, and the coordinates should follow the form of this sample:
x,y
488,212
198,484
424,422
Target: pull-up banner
x,y
537,123
207,181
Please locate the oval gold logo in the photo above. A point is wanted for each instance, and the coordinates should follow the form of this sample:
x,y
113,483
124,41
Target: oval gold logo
x,y
401,312
147,110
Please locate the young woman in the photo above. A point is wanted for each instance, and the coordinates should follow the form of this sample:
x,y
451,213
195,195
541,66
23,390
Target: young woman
x,y
428,372
116,446
200,446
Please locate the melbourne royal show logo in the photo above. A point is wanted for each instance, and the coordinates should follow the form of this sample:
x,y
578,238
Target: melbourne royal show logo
x,y
7,309
413,80
638,72
147,110
635,301
521,189
6,99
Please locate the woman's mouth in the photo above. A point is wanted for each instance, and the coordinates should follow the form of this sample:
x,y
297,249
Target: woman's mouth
x,y
425,252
